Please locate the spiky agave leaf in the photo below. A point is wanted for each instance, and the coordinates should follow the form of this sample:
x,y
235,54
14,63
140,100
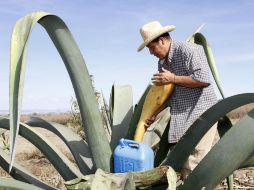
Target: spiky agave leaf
x,y
191,37
62,164
197,130
20,36
75,143
80,78
11,184
122,111
200,39
235,147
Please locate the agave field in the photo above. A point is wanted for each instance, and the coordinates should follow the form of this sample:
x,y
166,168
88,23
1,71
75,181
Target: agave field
x,y
93,167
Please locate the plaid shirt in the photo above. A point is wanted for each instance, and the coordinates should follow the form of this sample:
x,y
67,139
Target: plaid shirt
x,y
187,104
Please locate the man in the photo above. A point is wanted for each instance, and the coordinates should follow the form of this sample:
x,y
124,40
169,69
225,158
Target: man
x,y
185,65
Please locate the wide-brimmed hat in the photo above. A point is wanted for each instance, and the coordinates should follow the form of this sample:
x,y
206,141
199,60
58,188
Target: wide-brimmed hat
x,y
151,31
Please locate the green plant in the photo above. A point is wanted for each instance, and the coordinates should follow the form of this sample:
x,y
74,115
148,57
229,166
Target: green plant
x,y
76,120
95,155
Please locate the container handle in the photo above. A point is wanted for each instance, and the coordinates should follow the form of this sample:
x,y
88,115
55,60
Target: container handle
x,y
130,143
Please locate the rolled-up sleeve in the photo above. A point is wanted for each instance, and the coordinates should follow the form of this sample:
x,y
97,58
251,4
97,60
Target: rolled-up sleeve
x,y
198,66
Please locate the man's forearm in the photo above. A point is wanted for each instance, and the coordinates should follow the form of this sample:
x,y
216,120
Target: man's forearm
x,y
166,77
188,81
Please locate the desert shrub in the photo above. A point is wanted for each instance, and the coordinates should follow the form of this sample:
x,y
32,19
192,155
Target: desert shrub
x,y
75,121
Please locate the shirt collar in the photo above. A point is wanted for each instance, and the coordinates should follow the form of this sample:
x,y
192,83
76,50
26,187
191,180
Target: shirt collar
x,y
171,51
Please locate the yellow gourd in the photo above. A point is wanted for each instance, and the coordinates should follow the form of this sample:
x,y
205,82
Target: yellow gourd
x,y
155,98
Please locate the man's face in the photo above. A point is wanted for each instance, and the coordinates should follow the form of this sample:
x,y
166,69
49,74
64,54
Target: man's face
x,y
157,49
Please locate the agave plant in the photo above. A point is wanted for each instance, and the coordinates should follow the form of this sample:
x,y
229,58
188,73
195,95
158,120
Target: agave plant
x,y
94,157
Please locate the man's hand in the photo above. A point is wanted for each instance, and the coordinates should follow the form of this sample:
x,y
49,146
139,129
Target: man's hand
x,y
164,77
149,122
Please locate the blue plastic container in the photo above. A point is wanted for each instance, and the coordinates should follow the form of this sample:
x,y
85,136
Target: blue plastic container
x,y
130,156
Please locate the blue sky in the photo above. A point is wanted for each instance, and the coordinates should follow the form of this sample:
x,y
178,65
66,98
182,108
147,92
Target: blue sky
x,y
107,33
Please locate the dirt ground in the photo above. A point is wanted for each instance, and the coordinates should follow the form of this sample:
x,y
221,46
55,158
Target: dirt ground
x,y
30,157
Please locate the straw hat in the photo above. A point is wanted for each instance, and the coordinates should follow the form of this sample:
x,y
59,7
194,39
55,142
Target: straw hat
x,y
151,31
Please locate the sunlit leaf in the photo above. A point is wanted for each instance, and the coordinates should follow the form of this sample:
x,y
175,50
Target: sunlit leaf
x,y
122,112
80,78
